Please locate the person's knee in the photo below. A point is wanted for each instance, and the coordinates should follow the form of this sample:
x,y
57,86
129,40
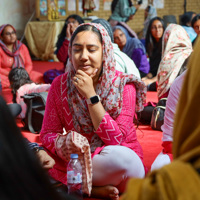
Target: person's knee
x,y
160,161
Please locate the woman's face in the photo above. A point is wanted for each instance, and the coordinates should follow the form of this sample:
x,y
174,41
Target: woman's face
x,y
9,35
73,21
87,53
197,26
157,30
119,38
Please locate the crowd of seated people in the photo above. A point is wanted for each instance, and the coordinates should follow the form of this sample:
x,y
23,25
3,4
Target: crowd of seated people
x,y
106,75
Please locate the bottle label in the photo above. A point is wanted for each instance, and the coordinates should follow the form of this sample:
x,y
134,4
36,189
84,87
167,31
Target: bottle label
x,y
74,178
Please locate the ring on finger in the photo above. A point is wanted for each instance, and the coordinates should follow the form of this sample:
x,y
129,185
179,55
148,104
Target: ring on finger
x,y
77,79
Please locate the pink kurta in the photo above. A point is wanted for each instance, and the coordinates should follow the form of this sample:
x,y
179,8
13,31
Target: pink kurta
x,y
6,63
112,132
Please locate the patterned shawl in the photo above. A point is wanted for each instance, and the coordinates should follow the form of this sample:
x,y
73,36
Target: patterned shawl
x,y
18,61
110,88
176,48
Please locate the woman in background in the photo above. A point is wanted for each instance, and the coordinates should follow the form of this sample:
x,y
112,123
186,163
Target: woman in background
x,y
153,44
196,26
62,46
122,11
14,54
133,48
185,22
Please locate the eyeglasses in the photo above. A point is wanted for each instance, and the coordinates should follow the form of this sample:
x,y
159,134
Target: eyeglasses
x,y
10,33
156,28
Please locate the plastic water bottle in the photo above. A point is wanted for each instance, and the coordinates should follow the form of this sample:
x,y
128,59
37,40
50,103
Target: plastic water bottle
x,y
74,177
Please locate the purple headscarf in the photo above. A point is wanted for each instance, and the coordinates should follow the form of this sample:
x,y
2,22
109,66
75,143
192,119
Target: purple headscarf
x,y
131,43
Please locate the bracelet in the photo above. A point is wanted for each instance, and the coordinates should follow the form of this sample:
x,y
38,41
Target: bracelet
x,y
66,38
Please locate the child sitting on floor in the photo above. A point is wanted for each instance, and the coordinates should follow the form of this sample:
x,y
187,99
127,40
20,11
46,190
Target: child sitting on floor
x,y
21,84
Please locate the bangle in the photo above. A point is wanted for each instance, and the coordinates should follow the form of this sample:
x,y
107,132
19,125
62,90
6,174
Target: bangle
x,y
66,38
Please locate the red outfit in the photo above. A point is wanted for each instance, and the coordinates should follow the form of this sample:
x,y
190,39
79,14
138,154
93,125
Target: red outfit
x,y
120,131
62,53
7,61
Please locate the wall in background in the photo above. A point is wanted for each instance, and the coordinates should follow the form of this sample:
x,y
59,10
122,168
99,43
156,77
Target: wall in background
x,y
18,12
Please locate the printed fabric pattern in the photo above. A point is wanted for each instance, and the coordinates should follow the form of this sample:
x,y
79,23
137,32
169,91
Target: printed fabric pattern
x,y
176,48
110,88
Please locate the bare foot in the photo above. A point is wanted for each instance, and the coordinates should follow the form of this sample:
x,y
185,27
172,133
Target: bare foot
x,y
105,192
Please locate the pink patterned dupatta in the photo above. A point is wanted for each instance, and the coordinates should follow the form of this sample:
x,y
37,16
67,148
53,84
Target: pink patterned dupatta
x,y
110,88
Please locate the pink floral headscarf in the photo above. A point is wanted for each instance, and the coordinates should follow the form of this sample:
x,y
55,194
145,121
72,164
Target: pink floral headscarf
x,y
176,48
110,88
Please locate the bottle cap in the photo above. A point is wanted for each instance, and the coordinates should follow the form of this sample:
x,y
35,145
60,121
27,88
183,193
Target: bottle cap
x,y
74,155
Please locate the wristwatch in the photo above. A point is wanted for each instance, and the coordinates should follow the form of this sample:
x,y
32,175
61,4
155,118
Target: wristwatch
x,y
93,100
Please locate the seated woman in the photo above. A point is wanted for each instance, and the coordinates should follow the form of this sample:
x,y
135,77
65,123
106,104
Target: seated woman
x,y
133,47
62,46
196,26
177,47
153,44
180,179
97,102
21,84
14,54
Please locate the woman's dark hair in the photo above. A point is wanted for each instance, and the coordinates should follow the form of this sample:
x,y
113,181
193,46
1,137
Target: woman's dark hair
x,y
62,35
114,3
150,41
22,177
196,18
86,27
18,77
186,18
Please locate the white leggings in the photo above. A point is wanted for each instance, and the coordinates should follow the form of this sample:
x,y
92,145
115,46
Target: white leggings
x,y
114,165
160,161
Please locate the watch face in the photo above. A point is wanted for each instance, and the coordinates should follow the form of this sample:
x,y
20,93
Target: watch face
x,y
94,99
